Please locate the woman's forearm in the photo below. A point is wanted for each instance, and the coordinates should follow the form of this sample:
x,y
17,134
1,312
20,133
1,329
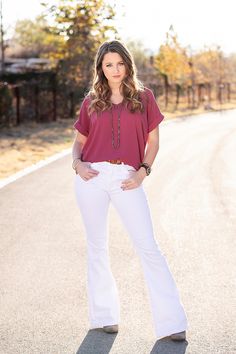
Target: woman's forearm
x,y
76,149
151,152
149,157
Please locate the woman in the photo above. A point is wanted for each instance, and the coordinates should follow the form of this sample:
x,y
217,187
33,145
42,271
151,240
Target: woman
x,y
118,118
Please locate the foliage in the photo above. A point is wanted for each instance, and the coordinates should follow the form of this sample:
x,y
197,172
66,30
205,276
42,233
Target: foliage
x,y
83,25
34,40
211,65
172,60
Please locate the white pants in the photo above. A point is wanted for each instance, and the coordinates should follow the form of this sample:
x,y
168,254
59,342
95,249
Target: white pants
x,y
93,197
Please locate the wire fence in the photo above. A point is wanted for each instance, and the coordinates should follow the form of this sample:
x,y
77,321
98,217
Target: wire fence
x,y
39,97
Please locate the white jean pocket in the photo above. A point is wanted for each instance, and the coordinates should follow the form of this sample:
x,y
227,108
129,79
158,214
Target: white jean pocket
x,y
129,168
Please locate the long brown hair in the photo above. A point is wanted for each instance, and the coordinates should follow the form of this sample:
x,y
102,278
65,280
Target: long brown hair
x,y
100,91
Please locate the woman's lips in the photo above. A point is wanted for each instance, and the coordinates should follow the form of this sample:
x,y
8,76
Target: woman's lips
x,y
116,76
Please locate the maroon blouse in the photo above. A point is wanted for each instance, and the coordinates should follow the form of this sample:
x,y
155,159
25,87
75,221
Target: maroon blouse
x,y
134,129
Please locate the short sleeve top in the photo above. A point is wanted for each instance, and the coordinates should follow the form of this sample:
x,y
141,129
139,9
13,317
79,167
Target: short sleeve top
x,y
134,130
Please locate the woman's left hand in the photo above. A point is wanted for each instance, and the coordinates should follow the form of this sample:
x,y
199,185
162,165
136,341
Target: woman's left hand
x,y
134,181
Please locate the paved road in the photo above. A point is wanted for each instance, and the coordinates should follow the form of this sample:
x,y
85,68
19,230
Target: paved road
x,y
192,194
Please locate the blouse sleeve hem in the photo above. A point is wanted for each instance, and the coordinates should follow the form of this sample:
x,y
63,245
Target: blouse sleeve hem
x,y
155,124
80,129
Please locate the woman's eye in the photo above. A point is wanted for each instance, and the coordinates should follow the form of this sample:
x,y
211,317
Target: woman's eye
x,y
108,65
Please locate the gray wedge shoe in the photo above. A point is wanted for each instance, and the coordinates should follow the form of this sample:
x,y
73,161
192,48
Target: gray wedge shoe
x,y
178,336
111,329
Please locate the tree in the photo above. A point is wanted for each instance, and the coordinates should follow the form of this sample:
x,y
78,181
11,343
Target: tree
x,y
208,62
172,63
143,62
83,25
2,44
32,39
172,60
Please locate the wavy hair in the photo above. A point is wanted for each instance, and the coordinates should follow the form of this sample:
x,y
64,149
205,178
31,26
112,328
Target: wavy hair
x,y
100,92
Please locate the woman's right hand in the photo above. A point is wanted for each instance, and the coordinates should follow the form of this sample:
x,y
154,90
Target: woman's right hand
x,y
85,171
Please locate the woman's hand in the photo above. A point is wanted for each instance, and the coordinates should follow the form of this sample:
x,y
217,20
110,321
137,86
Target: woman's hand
x,y
134,181
85,171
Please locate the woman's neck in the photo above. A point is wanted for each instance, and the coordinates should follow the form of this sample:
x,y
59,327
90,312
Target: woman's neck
x,y
115,89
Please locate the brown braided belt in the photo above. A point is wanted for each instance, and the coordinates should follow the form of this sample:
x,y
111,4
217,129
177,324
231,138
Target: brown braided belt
x,y
118,162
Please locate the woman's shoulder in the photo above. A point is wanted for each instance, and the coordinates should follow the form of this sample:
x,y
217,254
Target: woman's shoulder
x,y
86,99
146,93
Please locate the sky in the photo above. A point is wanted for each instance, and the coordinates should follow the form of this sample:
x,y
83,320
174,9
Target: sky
x,y
197,23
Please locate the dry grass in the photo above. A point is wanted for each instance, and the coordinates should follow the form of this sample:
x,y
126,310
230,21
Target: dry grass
x,y
29,143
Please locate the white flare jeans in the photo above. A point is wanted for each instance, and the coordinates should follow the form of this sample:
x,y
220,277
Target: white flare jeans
x,y
93,197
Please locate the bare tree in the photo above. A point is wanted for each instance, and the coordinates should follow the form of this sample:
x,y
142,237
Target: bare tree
x,y
2,39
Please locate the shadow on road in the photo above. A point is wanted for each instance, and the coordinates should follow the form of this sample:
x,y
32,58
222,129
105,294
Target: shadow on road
x,y
99,342
167,346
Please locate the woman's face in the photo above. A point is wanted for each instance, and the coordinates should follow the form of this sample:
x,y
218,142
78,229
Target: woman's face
x,y
113,67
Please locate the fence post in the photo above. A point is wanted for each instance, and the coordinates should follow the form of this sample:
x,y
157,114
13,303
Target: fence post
x,y
36,103
177,94
228,91
17,94
54,98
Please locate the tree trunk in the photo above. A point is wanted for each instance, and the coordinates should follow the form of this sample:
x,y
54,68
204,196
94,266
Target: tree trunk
x,y
166,85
